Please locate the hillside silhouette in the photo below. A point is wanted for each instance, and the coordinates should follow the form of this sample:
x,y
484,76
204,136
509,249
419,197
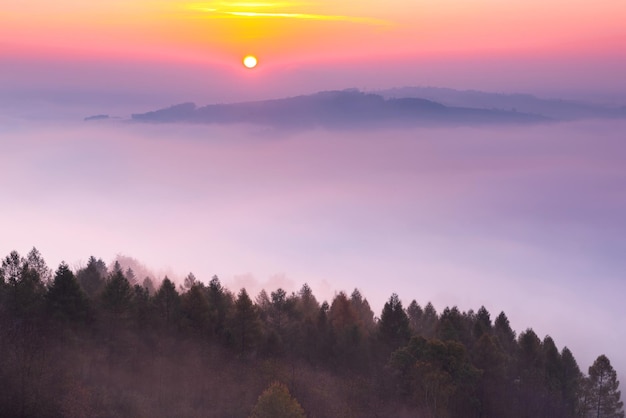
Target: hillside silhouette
x,y
346,109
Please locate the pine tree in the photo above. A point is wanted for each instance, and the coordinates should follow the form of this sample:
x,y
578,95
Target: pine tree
x,y
603,394
414,312
195,309
167,302
117,293
23,288
91,278
37,263
246,324
65,299
572,381
394,323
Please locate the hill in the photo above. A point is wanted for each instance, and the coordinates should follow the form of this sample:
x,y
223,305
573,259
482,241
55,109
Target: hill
x,y
345,109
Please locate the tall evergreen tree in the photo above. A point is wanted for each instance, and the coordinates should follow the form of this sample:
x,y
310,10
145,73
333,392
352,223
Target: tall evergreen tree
x,y
307,304
451,326
246,326
148,284
92,277
24,290
37,263
117,293
195,309
65,299
505,334
394,323
363,310
572,382
483,322
414,312
603,386
167,302
219,303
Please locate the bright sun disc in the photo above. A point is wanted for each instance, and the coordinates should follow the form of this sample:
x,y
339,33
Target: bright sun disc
x,y
250,61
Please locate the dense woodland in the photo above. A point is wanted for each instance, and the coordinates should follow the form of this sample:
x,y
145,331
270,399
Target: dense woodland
x,y
101,342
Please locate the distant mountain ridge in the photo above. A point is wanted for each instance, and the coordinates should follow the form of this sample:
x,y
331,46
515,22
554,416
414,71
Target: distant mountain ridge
x,y
551,108
339,109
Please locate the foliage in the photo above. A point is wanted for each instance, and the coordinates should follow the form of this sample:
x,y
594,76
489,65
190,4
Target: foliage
x,y
277,402
202,351
603,396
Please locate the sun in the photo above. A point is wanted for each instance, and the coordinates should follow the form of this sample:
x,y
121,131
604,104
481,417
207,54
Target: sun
x,y
250,61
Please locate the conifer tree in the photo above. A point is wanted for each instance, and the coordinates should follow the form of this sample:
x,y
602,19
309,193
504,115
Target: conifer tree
x,y
117,292
246,325
65,299
604,396
167,301
394,323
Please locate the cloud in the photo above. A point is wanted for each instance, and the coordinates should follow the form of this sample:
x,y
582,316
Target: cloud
x,y
257,10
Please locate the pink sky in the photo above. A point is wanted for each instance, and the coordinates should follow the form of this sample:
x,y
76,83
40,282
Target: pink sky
x,y
195,48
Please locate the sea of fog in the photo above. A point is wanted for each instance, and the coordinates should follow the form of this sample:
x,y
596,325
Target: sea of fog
x,y
529,220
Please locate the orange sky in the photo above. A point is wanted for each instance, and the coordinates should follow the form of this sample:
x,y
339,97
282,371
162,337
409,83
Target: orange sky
x,y
193,49
287,30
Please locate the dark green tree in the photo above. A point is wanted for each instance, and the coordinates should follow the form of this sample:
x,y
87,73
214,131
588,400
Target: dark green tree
x,y
572,382
394,323
505,334
189,281
487,356
363,311
148,284
220,302
37,263
452,327
530,375
167,302
245,324
603,390
195,309
117,294
428,321
65,299
553,378
142,307
346,332
437,375
483,323
92,277
278,311
414,312
23,289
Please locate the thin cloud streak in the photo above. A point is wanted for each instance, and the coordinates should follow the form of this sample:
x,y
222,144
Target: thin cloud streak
x,y
225,12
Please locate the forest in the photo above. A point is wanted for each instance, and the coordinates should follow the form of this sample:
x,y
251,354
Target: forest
x,y
101,342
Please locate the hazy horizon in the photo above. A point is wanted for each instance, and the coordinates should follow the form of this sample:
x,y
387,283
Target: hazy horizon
x,y
526,220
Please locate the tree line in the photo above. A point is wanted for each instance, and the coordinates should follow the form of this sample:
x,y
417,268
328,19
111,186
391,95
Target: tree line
x,y
100,341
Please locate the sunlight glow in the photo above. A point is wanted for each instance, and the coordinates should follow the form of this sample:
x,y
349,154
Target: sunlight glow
x,y
250,61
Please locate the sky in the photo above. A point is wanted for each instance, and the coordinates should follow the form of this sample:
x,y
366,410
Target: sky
x,y
529,221
169,51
